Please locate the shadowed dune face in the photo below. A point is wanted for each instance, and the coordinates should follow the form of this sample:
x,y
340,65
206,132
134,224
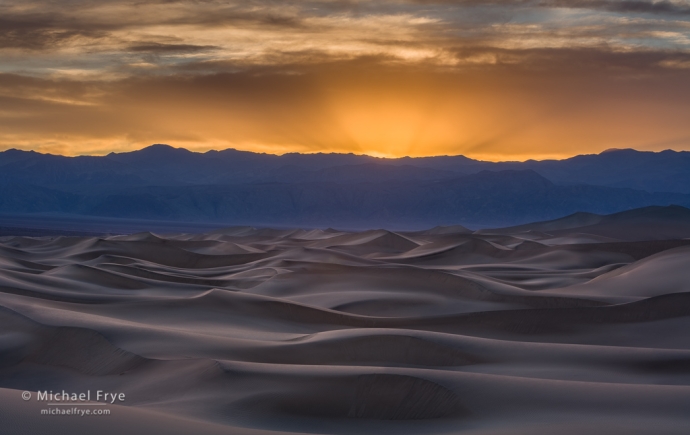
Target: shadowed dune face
x,y
368,397
541,330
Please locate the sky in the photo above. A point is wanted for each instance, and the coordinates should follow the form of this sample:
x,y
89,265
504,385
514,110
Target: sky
x,y
494,80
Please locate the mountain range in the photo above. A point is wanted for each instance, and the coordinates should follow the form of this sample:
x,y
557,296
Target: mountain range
x,y
352,191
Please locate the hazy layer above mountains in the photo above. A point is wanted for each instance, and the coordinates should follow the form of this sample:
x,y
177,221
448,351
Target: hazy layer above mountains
x,y
235,187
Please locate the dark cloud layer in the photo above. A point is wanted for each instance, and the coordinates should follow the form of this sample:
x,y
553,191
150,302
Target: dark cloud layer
x,y
667,7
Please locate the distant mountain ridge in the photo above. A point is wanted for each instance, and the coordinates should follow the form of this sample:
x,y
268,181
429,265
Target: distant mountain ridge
x,y
666,171
346,190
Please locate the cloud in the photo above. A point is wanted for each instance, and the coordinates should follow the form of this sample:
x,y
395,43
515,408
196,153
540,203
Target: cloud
x,y
635,6
39,31
393,76
169,48
558,104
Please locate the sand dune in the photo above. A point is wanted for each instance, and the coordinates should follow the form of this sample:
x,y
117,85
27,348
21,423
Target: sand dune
x,y
564,327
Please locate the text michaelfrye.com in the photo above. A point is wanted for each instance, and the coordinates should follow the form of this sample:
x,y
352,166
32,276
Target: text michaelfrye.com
x,y
76,410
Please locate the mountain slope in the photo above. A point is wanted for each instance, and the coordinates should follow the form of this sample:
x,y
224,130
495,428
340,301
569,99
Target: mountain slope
x,y
162,165
646,223
483,199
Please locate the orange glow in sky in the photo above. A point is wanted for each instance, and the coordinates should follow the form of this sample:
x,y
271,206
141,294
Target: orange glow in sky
x,y
389,78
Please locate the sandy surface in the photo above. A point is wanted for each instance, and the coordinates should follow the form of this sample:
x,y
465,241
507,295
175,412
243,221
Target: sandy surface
x,y
293,331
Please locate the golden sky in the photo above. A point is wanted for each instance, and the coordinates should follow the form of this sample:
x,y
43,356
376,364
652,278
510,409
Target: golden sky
x,y
496,80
